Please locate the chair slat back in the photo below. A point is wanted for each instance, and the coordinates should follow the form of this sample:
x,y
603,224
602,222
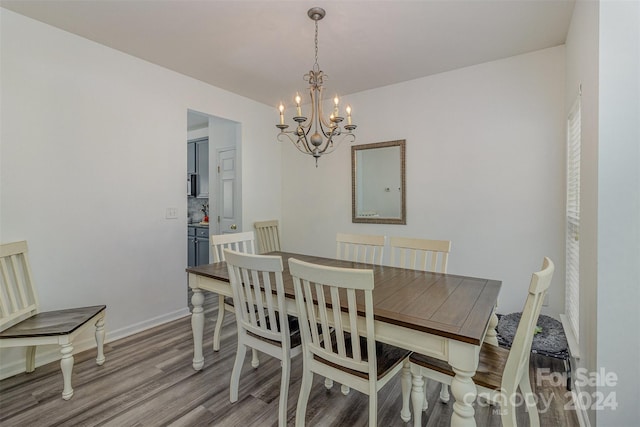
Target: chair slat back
x,y
420,254
255,279
18,297
334,297
268,236
360,248
518,361
239,242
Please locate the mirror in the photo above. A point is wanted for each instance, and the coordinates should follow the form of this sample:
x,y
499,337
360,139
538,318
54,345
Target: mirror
x,y
378,183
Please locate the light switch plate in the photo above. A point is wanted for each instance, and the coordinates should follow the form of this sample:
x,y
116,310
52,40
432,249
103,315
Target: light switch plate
x,y
172,213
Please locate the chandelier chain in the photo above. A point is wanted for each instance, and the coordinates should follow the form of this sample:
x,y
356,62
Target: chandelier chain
x,y
316,66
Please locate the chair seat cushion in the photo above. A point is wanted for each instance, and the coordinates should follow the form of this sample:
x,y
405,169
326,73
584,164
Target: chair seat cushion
x,y
549,339
388,356
49,323
490,367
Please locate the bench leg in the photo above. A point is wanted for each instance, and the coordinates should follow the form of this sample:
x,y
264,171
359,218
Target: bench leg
x,y
66,365
255,362
417,398
405,381
444,393
100,340
31,358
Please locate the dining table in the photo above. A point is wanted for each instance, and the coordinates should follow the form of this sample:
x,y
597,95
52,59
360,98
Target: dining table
x,y
446,316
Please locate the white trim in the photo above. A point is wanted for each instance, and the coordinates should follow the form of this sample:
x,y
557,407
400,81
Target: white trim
x,y
144,325
572,234
581,413
574,348
48,354
574,353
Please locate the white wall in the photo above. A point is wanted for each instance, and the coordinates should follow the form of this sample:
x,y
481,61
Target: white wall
x,y
603,51
485,169
93,151
582,69
618,213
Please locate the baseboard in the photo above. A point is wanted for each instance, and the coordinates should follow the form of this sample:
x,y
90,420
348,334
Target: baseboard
x,y
48,354
144,325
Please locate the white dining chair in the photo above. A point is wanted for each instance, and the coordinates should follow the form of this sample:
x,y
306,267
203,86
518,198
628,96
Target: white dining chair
x,y
259,301
268,235
349,353
363,248
241,242
420,254
424,255
22,324
500,372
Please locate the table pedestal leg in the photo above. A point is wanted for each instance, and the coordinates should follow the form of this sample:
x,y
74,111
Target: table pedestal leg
x,y
197,327
464,392
464,361
492,335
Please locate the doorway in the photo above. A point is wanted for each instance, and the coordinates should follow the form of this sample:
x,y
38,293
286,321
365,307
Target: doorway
x,y
223,136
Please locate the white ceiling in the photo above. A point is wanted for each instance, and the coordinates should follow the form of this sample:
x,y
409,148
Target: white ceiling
x,y
261,49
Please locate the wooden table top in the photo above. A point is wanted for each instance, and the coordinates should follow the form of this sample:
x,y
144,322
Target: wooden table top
x,y
448,305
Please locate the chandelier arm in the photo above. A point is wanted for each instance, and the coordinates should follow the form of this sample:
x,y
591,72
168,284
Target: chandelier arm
x,y
316,110
303,138
307,126
327,144
329,133
295,141
287,134
336,144
334,132
323,120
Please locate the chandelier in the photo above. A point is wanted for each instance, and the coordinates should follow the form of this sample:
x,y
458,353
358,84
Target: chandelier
x,y
316,135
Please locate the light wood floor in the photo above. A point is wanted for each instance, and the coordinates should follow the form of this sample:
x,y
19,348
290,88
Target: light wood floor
x,y
147,380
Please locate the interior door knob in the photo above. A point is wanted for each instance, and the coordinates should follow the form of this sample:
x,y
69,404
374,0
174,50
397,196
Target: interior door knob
x,y
234,227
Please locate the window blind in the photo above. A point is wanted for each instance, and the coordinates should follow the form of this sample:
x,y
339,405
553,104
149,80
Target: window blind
x,y
572,268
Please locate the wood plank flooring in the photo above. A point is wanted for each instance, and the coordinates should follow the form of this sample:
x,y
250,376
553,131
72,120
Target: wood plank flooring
x,y
147,380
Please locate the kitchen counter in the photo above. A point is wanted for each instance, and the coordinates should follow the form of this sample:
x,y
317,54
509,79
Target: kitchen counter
x,y
197,224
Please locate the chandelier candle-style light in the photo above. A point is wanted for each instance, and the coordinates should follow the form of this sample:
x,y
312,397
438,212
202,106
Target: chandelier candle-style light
x,y
316,135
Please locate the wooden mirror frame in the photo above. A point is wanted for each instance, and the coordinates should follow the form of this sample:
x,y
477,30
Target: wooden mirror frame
x,y
403,211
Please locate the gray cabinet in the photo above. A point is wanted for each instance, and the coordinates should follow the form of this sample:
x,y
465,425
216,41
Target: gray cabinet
x,y
198,246
198,164
191,158
202,165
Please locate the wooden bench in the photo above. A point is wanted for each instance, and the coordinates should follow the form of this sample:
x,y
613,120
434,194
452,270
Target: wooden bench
x,y
23,325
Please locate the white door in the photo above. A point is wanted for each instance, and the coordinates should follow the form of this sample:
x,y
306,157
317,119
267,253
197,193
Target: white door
x,y
228,200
